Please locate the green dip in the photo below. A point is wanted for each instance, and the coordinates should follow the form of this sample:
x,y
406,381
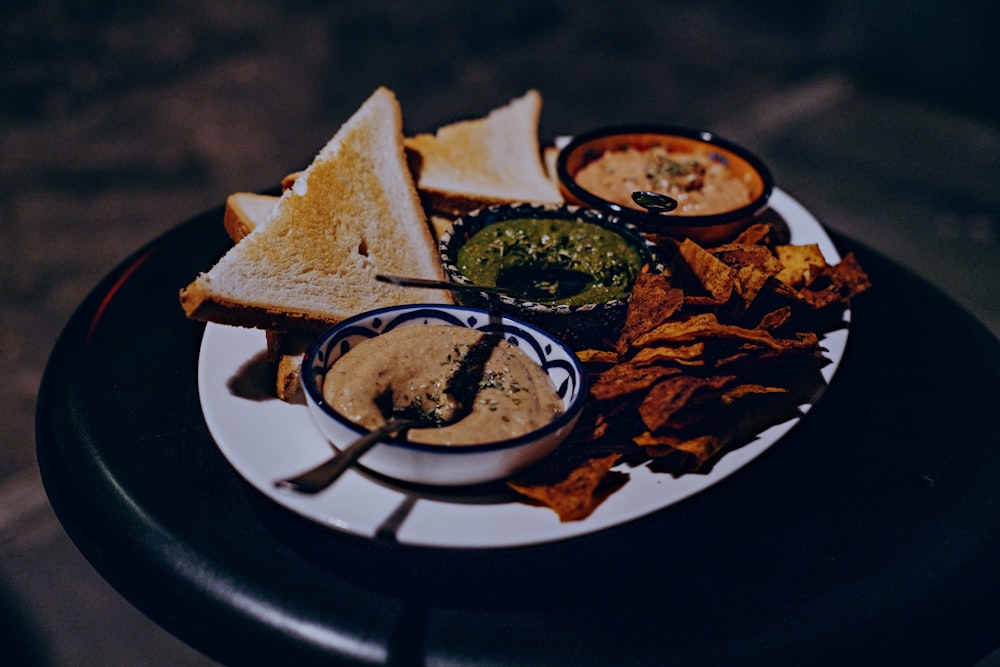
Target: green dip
x,y
546,243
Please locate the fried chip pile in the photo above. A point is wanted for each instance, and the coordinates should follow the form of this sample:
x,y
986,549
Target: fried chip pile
x,y
722,345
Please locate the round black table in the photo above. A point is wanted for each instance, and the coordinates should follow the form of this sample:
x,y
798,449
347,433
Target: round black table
x,y
869,535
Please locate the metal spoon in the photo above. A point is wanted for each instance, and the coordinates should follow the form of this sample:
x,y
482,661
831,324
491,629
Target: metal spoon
x,y
549,284
654,202
462,387
326,473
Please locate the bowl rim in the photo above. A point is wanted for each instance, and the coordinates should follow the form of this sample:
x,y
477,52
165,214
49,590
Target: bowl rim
x,y
624,228
461,316
648,220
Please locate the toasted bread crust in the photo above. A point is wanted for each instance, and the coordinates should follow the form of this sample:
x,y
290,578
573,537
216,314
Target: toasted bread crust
x,y
485,161
245,211
206,306
353,212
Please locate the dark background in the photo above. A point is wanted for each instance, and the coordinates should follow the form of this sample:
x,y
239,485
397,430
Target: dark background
x,y
120,120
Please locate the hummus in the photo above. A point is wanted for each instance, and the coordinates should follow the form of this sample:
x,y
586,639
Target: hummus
x,y
409,369
701,182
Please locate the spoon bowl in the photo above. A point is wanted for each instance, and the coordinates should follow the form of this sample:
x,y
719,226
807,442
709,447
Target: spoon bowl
x,y
654,202
543,283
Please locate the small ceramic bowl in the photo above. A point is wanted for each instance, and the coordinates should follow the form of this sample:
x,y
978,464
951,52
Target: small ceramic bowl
x,y
446,465
580,325
708,229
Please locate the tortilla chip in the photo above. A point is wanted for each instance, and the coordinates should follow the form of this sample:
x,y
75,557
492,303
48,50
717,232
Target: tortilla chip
x,y
686,355
799,261
575,497
596,356
692,452
753,265
756,234
742,391
705,325
709,356
775,319
713,275
653,302
669,396
835,284
627,378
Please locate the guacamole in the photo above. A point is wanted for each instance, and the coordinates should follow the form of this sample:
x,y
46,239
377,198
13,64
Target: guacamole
x,y
554,243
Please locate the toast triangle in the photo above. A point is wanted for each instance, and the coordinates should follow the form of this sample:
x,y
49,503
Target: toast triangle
x,y
352,213
495,159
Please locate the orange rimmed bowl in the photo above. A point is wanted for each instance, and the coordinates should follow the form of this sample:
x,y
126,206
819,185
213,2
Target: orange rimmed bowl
x,y
721,157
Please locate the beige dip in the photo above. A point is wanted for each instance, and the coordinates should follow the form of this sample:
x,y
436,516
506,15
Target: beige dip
x,y
411,366
701,185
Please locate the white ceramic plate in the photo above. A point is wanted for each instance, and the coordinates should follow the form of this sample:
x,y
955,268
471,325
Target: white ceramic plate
x,y
266,439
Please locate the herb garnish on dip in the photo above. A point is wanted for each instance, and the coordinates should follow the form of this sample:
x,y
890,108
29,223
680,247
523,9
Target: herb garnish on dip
x,y
547,243
410,368
700,180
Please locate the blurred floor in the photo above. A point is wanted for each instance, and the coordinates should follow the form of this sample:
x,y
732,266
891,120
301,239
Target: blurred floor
x,y
118,121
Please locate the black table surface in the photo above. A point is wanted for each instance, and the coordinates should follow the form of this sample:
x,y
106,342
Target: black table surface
x,y
870,534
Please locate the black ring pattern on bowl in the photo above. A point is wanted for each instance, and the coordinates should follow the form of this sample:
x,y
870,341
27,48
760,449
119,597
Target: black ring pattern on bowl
x,y
316,363
578,326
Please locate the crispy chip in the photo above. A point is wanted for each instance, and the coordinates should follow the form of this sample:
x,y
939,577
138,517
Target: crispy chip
x,y
694,451
626,378
711,355
597,356
850,274
756,234
775,319
686,355
576,496
754,266
799,261
835,284
672,394
742,255
730,396
653,302
705,325
713,275
803,344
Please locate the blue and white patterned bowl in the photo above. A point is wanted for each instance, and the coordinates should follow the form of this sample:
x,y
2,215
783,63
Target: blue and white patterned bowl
x,y
441,464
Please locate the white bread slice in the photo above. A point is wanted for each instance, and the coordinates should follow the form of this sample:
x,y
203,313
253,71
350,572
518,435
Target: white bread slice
x,y
352,213
245,211
285,352
491,160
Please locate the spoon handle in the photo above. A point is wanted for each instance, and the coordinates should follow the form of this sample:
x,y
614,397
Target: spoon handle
x,y
326,473
437,284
